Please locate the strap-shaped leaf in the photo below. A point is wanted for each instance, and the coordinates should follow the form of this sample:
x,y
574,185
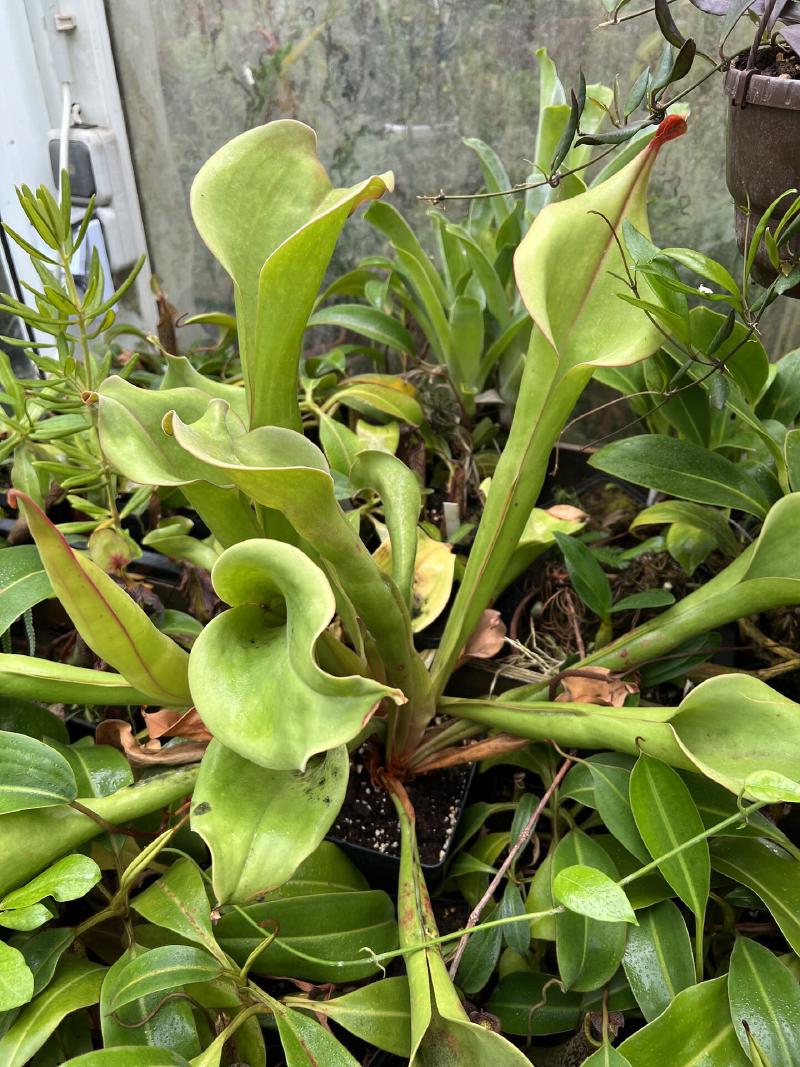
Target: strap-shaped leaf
x,y
727,728
267,210
254,671
110,622
60,683
31,840
280,469
260,825
568,270
438,1019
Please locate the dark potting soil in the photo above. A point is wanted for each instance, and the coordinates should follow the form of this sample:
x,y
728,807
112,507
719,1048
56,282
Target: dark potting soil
x,y
368,817
773,62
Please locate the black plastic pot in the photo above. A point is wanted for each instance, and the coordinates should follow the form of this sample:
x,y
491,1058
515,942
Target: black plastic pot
x,y
382,870
763,156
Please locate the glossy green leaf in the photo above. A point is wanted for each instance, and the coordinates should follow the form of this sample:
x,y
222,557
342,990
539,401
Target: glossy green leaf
x,y
609,775
666,817
516,936
567,269
26,919
171,538
587,891
383,393
658,958
368,322
142,1023
23,582
682,469
772,787
770,873
75,985
738,726
267,210
254,670
480,956
306,1043
695,1029
68,879
328,926
99,770
781,400
16,979
532,1003
32,775
178,902
378,1013
24,717
683,511
339,443
586,574
766,995
327,870
108,619
129,1056
162,969
260,824
42,952
588,951
646,600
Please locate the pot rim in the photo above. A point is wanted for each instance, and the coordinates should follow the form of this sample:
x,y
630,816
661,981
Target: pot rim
x,y
749,87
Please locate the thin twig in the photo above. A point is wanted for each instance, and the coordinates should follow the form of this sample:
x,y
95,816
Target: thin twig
x,y
513,852
553,180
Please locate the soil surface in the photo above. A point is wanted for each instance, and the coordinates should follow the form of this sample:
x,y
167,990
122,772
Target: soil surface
x,y
368,817
774,62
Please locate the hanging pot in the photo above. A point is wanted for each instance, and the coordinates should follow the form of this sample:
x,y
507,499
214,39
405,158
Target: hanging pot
x,y
763,155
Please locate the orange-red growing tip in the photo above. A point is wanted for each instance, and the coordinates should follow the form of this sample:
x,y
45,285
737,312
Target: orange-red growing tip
x,y
673,126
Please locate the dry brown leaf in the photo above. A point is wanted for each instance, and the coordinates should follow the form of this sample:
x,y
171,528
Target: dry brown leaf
x,y
119,734
595,685
171,723
488,636
499,745
567,513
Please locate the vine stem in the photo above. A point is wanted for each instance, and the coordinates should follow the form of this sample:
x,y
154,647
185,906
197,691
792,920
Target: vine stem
x,y
513,852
